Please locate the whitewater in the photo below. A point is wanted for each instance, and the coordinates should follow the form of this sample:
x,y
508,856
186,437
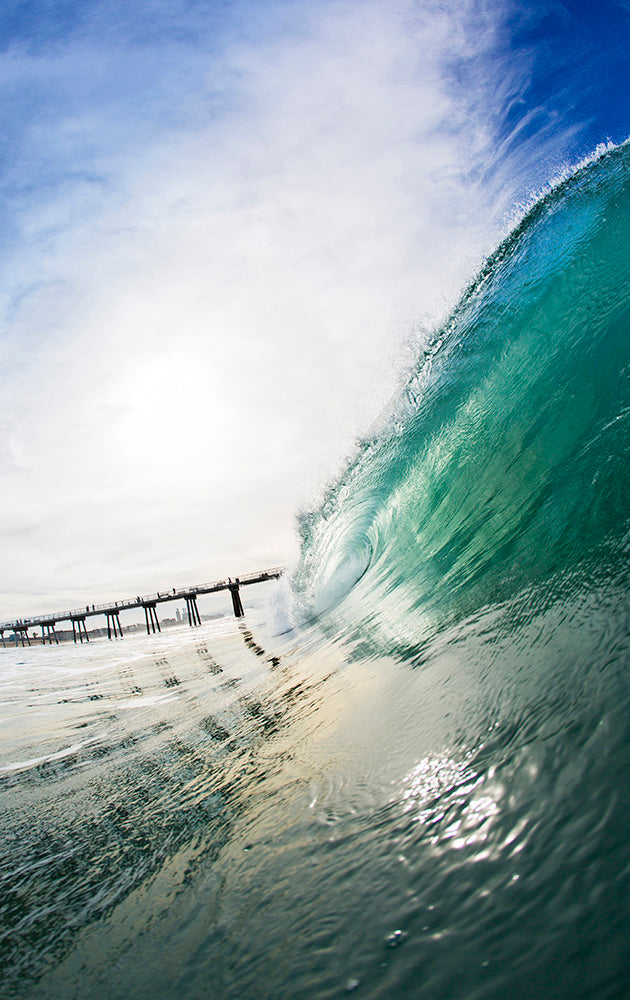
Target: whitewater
x,y
417,787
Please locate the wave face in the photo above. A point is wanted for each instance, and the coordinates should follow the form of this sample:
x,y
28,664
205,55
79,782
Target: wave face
x,y
421,793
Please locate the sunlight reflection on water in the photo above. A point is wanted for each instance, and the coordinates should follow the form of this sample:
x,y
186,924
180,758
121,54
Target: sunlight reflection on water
x,y
439,786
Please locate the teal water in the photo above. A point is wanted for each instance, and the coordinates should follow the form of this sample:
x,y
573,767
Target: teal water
x,y
421,790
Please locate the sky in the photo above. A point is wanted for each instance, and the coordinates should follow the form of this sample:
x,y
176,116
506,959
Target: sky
x,y
227,230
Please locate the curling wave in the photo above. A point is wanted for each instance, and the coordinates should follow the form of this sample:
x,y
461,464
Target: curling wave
x,y
504,467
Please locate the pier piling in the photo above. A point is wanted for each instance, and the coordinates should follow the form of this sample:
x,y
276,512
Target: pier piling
x,y
194,617
237,604
151,618
114,628
80,630
21,630
49,633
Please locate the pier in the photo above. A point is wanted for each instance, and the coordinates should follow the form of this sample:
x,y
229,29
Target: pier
x,y
19,628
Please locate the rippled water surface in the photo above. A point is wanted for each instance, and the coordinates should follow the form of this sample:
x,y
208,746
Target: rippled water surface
x,y
215,817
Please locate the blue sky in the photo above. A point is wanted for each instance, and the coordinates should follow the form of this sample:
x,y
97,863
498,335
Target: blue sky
x,y
226,229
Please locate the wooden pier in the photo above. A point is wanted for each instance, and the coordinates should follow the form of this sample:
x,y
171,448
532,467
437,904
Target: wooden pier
x,y
19,629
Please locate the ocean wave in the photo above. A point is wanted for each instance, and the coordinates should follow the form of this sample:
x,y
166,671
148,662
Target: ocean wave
x,y
503,464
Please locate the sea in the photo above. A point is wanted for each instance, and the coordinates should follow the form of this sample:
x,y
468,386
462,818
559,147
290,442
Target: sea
x,y
404,773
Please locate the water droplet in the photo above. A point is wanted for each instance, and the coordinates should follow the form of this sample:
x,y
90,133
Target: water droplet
x,y
352,984
395,938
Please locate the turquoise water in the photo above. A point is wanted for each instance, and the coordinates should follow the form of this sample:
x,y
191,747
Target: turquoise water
x,y
421,790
